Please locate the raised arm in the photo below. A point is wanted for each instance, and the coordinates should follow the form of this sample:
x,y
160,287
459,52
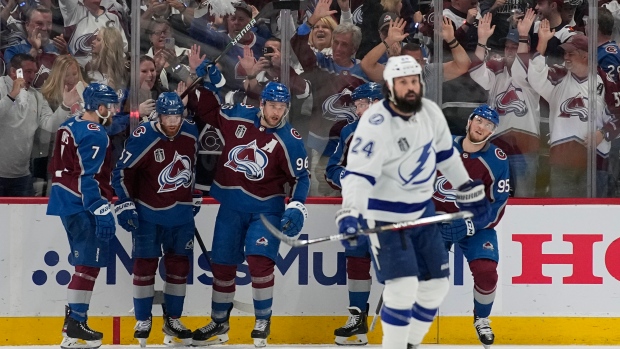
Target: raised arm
x,y
370,63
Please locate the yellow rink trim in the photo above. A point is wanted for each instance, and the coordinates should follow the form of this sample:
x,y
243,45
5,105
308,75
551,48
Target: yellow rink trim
x,y
320,329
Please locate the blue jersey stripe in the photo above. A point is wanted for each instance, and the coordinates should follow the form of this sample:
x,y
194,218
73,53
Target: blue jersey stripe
x,y
443,155
370,179
395,206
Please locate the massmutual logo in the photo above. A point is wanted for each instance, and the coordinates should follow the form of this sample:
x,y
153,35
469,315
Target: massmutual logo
x,y
51,259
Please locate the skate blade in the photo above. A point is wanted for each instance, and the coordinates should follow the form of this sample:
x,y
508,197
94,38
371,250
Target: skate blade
x,y
142,342
260,342
76,343
218,339
358,339
172,341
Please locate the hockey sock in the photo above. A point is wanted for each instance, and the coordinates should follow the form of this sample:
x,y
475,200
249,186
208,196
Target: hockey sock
x,y
80,290
484,272
144,270
261,271
430,294
358,281
223,292
177,269
398,298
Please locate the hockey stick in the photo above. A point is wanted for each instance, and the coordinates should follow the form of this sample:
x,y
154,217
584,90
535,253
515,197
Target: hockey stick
x,y
389,227
274,5
244,307
377,313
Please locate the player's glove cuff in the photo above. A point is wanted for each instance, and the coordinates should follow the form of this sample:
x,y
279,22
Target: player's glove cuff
x,y
124,205
301,207
470,192
100,208
346,212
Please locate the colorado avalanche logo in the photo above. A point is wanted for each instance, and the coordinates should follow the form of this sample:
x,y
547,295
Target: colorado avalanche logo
x,y
444,191
248,159
357,15
509,102
82,46
418,167
177,174
210,140
337,107
575,106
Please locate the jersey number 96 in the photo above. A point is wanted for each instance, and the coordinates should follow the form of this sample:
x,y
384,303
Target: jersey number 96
x,y
302,163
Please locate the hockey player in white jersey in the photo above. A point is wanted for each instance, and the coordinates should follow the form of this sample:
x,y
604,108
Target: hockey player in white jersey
x,y
395,152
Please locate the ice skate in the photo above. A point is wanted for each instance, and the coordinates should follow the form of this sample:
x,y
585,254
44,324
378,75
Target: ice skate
x,y
205,335
64,325
143,330
262,328
175,333
80,336
484,331
355,330
412,346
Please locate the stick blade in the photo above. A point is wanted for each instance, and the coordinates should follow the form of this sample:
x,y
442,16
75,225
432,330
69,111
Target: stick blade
x,y
280,235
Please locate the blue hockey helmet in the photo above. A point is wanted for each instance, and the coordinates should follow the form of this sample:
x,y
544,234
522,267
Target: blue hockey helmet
x,y
169,103
96,94
370,90
486,112
276,92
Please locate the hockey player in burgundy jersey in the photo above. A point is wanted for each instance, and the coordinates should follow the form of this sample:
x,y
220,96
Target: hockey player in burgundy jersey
x,y
478,241
358,258
154,181
262,155
81,195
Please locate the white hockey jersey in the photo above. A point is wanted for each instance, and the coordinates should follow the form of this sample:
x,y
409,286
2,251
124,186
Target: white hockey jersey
x,y
568,110
392,162
516,103
81,28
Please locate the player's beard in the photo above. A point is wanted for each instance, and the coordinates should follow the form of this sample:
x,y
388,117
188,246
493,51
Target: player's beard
x,y
409,106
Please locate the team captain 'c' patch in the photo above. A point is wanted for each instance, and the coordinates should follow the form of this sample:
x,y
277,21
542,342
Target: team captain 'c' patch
x,y
295,133
500,154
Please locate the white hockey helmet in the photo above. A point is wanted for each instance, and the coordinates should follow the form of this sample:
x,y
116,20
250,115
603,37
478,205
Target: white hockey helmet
x,y
399,66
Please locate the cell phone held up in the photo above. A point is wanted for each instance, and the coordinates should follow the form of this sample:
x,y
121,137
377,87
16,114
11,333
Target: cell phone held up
x,y
169,44
268,50
19,73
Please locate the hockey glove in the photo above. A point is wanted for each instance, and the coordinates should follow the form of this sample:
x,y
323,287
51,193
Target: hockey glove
x,y
197,201
471,197
457,230
105,227
347,220
127,215
293,218
213,79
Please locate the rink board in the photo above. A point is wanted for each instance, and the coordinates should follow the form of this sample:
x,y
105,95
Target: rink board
x,y
558,283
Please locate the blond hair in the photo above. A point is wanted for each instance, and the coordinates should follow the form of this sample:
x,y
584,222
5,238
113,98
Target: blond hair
x,y
331,23
391,5
110,61
54,85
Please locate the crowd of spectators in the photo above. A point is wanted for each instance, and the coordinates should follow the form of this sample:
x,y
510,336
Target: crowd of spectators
x,y
528,59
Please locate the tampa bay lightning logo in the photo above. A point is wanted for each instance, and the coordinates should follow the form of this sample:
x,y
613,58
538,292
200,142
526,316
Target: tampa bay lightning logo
x,y
575,106
510,101
357,15
338,107
443,190
248,159
176,174
418,167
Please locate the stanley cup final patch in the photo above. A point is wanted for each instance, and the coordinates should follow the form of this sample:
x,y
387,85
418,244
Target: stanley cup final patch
x,y
240,132
159,155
